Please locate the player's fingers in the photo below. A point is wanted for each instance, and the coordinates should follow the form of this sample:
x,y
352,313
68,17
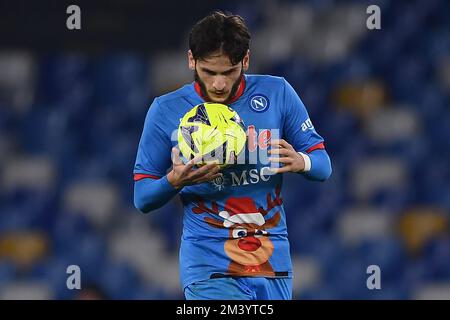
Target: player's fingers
x,y
211,175
197,159
285,144
208,168
274,143
213,172
281,142
281,170
203,171
281,159
208,177
217,175
281,151
188,167
176,156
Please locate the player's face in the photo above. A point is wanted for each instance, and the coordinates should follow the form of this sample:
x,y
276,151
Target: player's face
x,y
218,78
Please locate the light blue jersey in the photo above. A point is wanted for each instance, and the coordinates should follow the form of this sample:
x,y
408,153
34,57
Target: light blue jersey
x,y
235,225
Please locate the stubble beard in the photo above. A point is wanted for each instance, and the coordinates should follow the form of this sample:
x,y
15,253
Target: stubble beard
x,y
205,94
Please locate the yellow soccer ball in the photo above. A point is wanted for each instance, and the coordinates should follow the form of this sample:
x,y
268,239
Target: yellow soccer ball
x,y
214,131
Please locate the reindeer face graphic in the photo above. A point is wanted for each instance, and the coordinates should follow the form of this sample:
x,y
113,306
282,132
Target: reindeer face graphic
x,y
248,246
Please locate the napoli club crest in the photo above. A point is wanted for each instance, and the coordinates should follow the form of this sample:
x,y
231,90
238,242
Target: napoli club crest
x,y
259,102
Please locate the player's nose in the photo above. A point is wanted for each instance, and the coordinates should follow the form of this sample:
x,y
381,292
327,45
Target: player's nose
x,y
219,84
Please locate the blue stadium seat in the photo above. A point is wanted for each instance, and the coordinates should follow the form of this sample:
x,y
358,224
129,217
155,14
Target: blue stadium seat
x,y
118,280
121,81
387,253
53,271
437,256
7,272
65,78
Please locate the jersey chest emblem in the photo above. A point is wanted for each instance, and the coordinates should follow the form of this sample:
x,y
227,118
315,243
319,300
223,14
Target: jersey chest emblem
x,y
259,102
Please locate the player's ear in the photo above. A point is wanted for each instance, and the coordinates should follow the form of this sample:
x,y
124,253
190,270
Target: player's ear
x,y
191,60
246,61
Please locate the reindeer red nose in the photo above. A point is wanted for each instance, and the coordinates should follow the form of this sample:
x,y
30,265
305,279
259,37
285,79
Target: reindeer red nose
x,y
249,244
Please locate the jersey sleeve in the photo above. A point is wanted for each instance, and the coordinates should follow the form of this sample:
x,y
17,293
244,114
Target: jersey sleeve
x,y
154,151
298,129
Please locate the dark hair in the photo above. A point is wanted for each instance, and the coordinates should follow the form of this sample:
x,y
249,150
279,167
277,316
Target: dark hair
x,y
219,31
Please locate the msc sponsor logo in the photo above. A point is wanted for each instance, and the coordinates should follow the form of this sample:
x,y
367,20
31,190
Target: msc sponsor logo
x,y
251,176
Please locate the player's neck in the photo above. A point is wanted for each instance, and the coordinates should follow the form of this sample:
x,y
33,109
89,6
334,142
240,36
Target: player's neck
x,y
237,95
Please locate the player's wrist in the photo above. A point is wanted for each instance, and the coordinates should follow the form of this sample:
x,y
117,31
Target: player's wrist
x,y
307,162
173,181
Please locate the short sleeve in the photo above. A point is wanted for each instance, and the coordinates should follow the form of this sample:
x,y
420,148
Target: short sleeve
x,y
154,150
298,129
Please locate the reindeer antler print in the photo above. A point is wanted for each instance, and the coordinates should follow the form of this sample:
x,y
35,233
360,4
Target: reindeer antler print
x,y
202,208
272,203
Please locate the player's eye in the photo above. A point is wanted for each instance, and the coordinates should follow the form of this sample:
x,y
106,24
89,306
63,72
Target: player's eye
x,y
260,233
239,233
227,73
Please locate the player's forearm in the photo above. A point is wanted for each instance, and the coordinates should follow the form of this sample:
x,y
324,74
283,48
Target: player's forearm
x,y
320,166
150,194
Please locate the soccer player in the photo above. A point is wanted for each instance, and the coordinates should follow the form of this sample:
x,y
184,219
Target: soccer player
x,y
234,243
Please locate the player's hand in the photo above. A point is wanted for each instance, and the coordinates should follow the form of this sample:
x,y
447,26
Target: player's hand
x,y
185,174
291,160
